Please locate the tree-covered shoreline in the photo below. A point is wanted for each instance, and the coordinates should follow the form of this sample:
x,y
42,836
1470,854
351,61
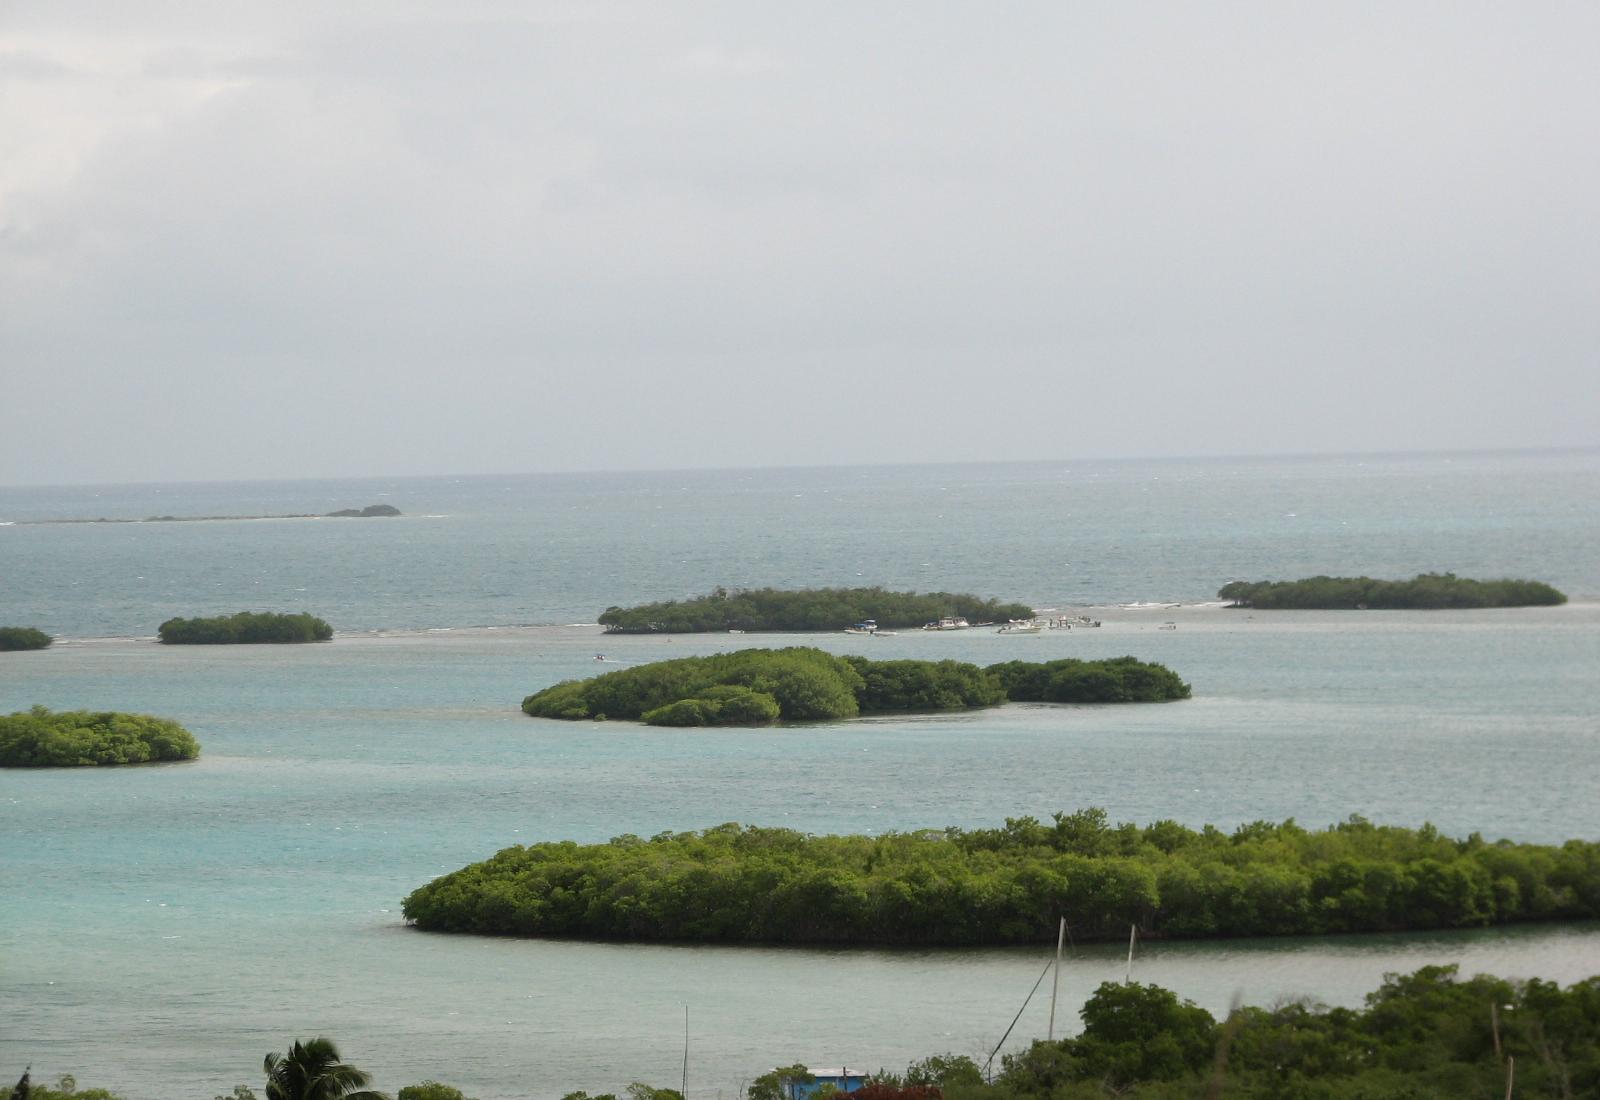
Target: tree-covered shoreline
x,y
804,609
755,687
42,738
1426,1035
1425,591
246,628
955,887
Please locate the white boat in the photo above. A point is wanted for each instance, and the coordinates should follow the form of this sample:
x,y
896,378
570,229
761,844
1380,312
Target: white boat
x,y
1021,626
949,622
865,626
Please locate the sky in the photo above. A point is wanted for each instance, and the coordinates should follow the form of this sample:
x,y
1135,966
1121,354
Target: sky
x,y
300,239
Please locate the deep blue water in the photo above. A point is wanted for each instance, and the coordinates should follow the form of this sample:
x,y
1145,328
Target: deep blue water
x,y
161,928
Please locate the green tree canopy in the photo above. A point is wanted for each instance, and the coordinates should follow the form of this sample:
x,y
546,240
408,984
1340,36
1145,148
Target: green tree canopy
x,y
1008,885
246,627
42,738
22,637
1425,591
805,609
752,687
312,1070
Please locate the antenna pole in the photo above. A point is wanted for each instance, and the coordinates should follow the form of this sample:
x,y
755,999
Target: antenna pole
x,y
1133,930
684,1090
1055,983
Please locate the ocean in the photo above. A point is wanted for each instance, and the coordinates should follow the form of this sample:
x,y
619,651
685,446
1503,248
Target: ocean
x,y
163,928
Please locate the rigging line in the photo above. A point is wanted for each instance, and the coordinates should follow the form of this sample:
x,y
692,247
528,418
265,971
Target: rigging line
x,y
1018,1016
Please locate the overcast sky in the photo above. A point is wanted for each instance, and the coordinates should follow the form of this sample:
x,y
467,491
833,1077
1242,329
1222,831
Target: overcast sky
x,y
307,239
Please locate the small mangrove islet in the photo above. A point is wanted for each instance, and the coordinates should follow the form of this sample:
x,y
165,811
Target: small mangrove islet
x,y
1425,591
42,738
805,609
13,638
370,511
246,628
754,687
1010,885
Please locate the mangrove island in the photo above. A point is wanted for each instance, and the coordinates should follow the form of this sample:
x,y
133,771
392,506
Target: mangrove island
x,y
246,628
754,687
368,512
42,738
13,638
804,610
1425,591
955,887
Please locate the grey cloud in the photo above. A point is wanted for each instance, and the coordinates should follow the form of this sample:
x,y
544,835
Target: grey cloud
x,y
1241,227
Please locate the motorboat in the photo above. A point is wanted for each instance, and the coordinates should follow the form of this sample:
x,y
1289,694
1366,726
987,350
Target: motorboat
x,y
1021,626
865,626
949,622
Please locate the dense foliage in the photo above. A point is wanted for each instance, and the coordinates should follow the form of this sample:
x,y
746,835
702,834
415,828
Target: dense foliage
x,y
1425,591
1422,1036
246,627
42,738
1113,680
22,637
313,1070
752,687
810,609
1009,885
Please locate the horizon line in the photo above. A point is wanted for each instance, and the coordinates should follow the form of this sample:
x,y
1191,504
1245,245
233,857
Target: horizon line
x,y
1220,457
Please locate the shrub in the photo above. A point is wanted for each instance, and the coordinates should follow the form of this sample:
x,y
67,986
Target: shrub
x,y
246,627
41,738
22,637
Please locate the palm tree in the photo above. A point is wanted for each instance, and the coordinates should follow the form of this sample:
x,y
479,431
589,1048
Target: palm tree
x,y
312,1071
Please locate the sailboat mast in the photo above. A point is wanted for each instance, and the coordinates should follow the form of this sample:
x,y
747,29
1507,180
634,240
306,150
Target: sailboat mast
x,y
1055,982
684,1089
1133,931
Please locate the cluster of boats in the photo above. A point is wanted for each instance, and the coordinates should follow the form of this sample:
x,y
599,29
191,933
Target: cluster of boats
x,y
956,622
1058,622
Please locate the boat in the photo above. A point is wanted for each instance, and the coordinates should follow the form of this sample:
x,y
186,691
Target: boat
x,y
865,626
949,622
1021,626
1169,626
1065,622
886,634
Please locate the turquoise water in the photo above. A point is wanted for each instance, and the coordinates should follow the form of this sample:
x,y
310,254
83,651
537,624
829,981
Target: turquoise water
x,y
161,928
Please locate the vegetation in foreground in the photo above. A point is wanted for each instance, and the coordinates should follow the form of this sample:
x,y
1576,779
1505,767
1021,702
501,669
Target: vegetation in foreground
x,y
754,687
805,609
1010,885
1425,591
42,738
22,637
1423,1036
245,627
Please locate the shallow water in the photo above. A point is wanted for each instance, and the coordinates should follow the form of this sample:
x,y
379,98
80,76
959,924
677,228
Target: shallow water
x,y
161,928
